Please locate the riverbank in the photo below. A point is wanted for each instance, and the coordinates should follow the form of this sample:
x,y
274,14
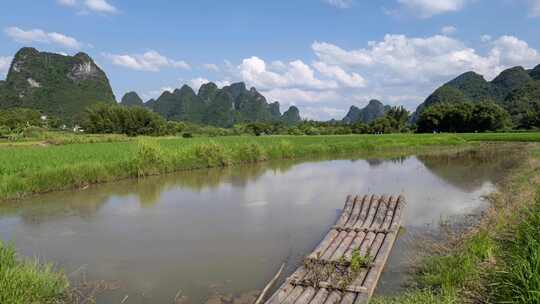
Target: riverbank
x,y
497,260
37,169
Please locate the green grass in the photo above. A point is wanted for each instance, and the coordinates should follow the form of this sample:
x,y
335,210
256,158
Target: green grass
x,y
507,137
517,280
24,282
36,169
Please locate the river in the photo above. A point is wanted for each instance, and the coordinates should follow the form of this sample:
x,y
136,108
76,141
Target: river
x,y
194,235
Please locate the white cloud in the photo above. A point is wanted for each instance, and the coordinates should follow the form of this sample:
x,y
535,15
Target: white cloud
x,y
339,3
5,63
325,113
297,96
211,67
150,61
333,54
401,59
255,72
402,70
101,6
352,80
67,2
448,30
429,8
39,35
511,51
156,93
196,83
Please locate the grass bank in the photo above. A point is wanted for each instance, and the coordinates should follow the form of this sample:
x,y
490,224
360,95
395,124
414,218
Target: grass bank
x,y
36,169
497,261
23,282
506,137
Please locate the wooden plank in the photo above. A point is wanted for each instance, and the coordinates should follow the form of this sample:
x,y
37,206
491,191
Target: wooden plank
x,y
333,298
381,213
348,298
358,239
295,294
286,288
323,245
335,244
367,225
339,254
346,212
320,297
270,284
306,296
389,214
371,213
384,252
330,237
364,212
359,204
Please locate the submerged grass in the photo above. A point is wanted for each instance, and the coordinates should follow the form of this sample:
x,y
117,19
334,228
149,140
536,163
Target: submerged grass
x,y
23,282
34,169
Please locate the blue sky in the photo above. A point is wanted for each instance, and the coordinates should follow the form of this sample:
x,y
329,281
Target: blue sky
x,y
321,55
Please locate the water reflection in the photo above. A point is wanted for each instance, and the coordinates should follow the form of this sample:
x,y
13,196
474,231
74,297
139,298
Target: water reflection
x,y
227,230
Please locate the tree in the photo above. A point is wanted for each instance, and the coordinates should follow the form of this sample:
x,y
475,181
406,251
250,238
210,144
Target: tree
x,y
463,117
16,118
398,118
104,118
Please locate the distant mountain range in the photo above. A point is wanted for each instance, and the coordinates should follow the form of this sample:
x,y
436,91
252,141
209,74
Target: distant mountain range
x,y
369,113
214,106
63,86
514,89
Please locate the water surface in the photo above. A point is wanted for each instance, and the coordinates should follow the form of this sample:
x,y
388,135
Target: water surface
x,y
195,234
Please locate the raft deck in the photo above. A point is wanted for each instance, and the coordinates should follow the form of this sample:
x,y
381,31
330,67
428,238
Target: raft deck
x,y
346,266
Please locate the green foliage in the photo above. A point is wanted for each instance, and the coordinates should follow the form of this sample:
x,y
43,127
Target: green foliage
x,y
19,118
358,261
149,157
23,282
518,278
524,105
211,155
463,117
473,88
399,118
132,121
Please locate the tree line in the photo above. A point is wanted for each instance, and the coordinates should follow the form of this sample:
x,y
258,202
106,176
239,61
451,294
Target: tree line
x,y
133,121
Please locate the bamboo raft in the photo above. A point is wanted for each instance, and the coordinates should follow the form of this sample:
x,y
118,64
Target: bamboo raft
x,y
365,232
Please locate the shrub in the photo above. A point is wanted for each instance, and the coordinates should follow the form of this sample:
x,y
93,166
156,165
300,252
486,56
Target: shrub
x,y
251,152
24,282
212,155
149,158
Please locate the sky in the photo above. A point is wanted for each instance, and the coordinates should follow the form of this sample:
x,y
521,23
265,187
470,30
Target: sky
x,y
321,55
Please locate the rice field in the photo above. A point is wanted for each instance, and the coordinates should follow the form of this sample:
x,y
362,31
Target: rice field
x,y
26,170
